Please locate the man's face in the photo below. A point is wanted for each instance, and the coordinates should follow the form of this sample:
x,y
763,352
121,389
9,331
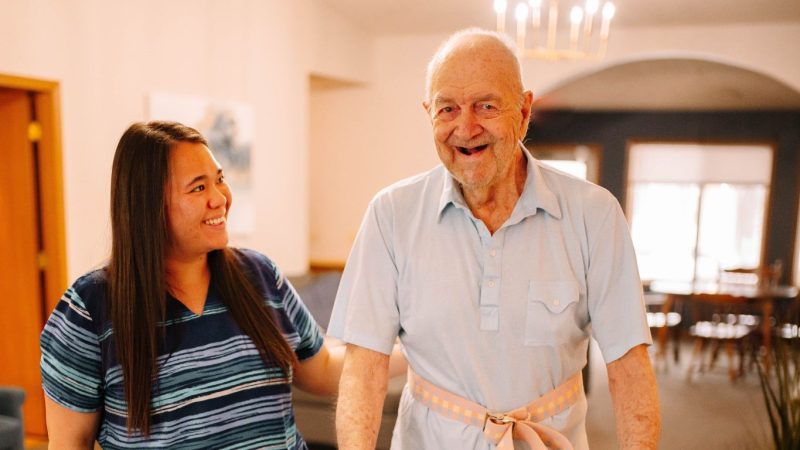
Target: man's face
x,y
479,114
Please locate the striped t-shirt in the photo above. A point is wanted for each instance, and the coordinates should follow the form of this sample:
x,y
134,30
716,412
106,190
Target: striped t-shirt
x,y
213,389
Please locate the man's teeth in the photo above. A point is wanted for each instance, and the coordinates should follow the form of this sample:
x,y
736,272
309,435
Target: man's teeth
x,y
216,221
472,150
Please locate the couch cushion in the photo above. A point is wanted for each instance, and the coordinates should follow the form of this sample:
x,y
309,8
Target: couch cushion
x,y
10,432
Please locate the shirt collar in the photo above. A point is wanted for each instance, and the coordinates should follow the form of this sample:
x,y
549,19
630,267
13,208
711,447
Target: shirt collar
x,y
535,194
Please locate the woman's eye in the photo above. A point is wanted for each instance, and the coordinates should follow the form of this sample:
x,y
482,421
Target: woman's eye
x,y
221,179
199,188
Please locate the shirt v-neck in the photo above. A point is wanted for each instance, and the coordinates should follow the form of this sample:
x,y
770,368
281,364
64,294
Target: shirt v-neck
x,y
176,308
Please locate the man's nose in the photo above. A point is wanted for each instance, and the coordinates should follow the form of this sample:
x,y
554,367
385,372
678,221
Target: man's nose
x,y
467,125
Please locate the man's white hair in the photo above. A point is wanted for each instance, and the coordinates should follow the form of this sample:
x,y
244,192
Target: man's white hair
x,y
456,39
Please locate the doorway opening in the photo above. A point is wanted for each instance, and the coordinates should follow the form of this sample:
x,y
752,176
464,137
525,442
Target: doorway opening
x,y
33,263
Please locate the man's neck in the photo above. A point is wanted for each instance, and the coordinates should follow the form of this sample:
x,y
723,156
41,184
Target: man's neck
x,y
493,204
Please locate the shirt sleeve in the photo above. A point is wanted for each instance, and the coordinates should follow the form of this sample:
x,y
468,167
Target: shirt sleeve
x,y
365,312
309,335
300,329
614,289
71,361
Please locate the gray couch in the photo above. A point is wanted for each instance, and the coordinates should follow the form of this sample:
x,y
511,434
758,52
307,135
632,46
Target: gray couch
x,y
314,414
12,435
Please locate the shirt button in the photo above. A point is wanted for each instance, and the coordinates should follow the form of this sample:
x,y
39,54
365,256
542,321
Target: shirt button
x,y
556,302
493,253
491,284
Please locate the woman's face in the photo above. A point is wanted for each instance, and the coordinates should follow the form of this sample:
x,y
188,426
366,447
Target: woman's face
x,y
198,200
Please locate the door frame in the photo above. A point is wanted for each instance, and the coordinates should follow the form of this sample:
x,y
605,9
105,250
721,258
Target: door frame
x,y
51,184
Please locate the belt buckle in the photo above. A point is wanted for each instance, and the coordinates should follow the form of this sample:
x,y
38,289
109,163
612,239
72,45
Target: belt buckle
x,y
503,418
499,418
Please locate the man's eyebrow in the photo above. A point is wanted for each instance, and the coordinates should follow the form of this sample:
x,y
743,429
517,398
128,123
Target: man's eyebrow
x,y
482,98
439,99
487,97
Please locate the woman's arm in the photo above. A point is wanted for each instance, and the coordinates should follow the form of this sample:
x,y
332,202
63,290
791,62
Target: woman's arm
x,y
320,374
68,429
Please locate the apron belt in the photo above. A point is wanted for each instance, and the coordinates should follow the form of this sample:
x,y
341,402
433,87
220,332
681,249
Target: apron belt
x,y
502,428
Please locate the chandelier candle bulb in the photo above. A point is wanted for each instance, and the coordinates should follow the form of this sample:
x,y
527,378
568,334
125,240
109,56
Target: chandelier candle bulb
x,y
575,18
536,16
522,17
590,10
608,14
500,9
551,24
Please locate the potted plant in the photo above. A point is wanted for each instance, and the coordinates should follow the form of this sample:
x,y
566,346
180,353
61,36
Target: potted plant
x,y
780,385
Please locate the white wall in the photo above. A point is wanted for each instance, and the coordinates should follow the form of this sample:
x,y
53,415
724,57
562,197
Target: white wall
x,y
372,135
328,150
107,56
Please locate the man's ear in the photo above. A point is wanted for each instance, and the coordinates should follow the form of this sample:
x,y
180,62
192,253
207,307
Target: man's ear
x,y
525,110
427,107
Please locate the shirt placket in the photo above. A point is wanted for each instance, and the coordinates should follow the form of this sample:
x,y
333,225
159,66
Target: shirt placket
x,y
492,249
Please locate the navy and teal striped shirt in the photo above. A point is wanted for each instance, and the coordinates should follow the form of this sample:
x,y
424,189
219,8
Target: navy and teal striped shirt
x,y
213,389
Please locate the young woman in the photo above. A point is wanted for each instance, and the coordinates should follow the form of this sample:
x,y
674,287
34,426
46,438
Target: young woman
x,y
180,341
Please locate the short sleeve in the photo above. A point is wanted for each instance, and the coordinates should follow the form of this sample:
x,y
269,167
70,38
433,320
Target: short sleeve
x,y
614,289
299,327
365,312
308,333
71,359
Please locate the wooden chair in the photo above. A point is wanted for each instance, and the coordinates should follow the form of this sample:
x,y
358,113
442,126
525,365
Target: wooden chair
x,y
664,326
718,322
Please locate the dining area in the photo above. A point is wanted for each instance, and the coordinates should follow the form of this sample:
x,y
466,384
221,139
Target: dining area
x,y
742,314
715,343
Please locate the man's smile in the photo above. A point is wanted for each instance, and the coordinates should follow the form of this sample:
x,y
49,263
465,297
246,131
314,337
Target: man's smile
x,y
472,150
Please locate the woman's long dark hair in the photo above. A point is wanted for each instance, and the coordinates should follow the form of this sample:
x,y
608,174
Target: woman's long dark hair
x,y
137,285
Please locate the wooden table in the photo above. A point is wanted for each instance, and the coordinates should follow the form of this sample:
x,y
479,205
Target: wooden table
x,y
763,295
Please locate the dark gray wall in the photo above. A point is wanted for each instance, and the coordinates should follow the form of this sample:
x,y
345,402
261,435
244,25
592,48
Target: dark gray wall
x,y
613,131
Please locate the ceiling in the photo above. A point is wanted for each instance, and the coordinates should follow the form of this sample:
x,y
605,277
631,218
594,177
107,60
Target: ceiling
x,y
654,84
672,84
446,16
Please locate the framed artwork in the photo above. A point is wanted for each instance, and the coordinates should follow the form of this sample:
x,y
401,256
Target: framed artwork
x,y
228,126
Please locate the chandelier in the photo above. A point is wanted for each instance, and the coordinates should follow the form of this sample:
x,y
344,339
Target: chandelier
x,y
584,41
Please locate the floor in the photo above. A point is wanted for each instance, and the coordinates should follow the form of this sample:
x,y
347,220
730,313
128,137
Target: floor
x,y
709,412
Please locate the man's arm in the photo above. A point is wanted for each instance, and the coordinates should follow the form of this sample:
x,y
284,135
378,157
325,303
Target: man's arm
x,y
361,393
635,395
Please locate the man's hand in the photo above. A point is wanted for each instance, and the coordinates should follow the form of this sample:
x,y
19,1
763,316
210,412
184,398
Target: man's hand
x,y
361,393
635,395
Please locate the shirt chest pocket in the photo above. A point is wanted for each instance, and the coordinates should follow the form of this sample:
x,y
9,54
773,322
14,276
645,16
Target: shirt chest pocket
x,y
551,312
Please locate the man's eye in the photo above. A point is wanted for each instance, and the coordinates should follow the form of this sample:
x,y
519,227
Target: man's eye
x,y
199,188
446,112
487,106
221,179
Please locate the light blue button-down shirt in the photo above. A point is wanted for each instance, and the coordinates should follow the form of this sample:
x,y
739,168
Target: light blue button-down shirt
x,y
497,318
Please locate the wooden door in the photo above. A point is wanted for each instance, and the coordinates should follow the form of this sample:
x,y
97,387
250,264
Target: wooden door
x,y
21,278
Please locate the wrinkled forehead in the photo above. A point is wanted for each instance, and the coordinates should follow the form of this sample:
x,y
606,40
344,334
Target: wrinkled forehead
x,y
469,66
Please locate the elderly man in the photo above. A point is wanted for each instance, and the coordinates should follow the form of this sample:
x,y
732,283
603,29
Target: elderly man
x,y
493,270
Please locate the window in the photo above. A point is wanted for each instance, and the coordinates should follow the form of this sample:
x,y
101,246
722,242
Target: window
x,y
697,209
581,161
